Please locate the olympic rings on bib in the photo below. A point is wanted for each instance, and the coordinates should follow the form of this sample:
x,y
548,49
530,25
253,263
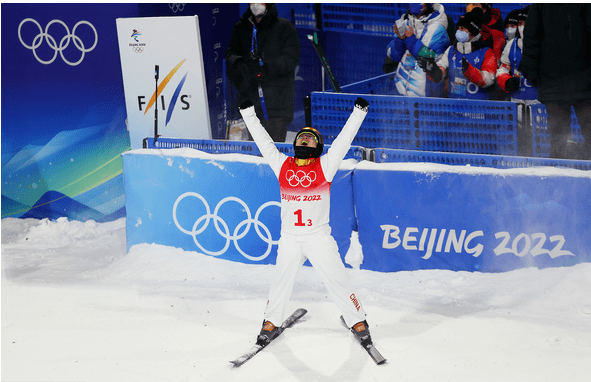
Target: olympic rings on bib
x,y
300,178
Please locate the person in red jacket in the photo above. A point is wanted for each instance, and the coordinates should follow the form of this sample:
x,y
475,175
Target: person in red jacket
x,y
469,72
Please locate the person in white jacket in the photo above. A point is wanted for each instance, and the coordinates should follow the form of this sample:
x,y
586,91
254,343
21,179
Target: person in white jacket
x,y
421,33
304,182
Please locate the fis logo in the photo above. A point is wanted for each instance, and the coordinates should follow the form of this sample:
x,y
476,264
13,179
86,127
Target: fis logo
x,y
167,103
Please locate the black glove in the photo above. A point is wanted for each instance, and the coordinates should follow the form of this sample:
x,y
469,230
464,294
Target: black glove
x,y
465,65
431,68
389,65
362,104
512,84
246,104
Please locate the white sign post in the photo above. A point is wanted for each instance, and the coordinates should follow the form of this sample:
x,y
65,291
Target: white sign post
x,y
164,52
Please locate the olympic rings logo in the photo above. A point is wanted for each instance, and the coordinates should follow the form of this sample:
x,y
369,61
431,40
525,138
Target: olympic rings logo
x,y
138,49
300,178
224,230
64,42
177,7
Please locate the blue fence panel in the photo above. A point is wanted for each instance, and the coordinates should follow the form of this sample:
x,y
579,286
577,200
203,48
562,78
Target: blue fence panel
x,y
540,133
414,123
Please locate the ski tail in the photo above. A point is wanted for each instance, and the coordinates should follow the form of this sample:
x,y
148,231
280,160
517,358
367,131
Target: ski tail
x,y
369,347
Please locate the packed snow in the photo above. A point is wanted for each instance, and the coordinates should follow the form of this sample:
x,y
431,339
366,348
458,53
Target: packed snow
x,y
77,307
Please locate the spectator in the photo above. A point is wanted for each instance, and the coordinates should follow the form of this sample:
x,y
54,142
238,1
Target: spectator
x,y
492,31
421,32
557,59
469,72
262,54
491,16
511,24
511,81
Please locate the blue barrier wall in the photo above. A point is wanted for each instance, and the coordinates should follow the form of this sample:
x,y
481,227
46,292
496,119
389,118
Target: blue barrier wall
x,y
425,216
409,216
216,204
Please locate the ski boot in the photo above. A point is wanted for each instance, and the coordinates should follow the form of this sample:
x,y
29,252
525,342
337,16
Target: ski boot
x,y
361,330
268,333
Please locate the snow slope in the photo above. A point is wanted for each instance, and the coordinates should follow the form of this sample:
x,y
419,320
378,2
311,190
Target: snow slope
x,y
77,307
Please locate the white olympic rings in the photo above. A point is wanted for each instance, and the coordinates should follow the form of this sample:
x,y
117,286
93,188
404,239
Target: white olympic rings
x,y
300,178
226,231
64,42
176,7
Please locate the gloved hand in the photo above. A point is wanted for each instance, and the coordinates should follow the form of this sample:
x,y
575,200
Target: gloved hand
x,y
430,67
362,104
246,104
512,84
465,65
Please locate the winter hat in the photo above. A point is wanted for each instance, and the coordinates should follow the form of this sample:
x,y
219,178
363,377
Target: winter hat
x,y
472,21
512,17
523,14
303,152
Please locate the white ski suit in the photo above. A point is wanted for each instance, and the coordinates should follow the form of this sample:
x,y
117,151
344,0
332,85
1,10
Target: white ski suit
x,y
305,207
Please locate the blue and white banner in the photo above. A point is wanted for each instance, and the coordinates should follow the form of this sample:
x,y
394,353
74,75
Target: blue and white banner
x,y
225,206
431,216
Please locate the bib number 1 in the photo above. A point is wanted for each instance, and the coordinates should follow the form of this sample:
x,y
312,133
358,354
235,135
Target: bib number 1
x,y
300,220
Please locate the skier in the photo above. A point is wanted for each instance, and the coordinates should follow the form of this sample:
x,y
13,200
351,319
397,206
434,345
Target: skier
x,y
304,182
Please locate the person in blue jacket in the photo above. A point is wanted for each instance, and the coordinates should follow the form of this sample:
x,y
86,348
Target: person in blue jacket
x,y
420,33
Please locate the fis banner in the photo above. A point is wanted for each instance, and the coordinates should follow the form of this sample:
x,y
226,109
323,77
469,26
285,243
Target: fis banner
x,y
162,65
414,216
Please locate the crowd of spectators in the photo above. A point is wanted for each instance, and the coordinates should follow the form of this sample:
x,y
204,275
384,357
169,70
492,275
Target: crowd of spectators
x,y
541,53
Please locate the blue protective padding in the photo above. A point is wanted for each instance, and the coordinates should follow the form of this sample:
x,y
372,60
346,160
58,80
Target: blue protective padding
x,y
500,221
480,160
237,147
212,200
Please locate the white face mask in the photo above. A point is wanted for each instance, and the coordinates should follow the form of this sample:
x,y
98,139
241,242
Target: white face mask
x,y
462,36
258,9
521,28
511,33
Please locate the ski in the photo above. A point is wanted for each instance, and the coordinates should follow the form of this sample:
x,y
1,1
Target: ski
x,y
370,348
295,316
320,51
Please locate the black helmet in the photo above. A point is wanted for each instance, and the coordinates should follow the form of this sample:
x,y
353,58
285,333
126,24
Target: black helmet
x,y
303,152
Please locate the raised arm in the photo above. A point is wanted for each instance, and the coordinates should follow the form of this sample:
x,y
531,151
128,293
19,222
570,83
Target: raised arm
x,y
261,137
342,143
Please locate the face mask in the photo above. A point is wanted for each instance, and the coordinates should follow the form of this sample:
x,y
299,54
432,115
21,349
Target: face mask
x,y
416,9
511,33
462,36
521,28
258,9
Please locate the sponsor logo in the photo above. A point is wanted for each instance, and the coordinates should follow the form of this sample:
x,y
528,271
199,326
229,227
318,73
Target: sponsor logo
x,y
172,101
